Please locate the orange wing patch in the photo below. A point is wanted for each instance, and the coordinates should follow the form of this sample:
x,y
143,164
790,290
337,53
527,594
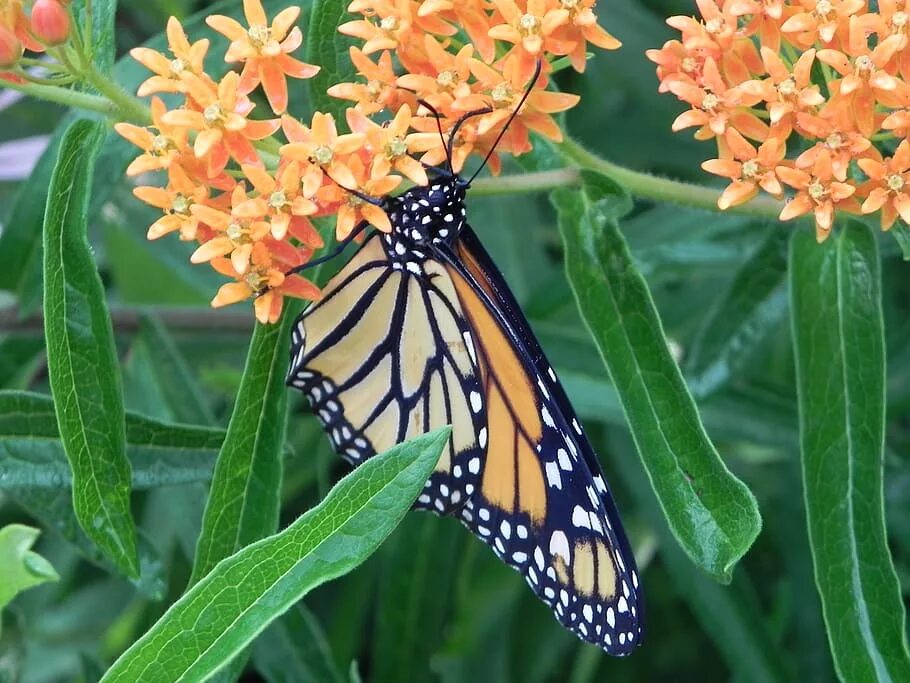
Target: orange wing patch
x,y
513,479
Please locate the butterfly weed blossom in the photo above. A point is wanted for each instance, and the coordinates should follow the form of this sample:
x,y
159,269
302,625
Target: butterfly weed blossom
x,y
807,100
245,185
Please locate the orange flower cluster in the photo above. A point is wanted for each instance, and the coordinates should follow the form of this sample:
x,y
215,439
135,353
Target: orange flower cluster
x,y
828,79
47,25
246,196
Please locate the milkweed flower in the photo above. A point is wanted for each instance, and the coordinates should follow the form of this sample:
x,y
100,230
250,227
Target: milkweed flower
x,y
248,189
828,76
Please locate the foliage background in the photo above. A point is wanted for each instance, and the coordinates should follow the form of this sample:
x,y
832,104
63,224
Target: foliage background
x,y
433,603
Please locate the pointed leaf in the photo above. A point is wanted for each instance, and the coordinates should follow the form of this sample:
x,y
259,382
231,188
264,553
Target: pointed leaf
x,y
226,609
712,513
838,336
81,358
244,499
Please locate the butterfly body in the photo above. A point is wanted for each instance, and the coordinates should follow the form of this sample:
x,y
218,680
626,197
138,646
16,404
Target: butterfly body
x,y
420,330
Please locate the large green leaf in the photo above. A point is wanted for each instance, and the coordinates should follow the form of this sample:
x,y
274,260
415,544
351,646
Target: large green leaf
x,y
81,358
712,514
837,325
222,613
245,498
160,454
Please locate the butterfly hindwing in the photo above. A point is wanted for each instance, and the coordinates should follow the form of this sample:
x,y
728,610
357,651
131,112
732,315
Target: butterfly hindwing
x,y
383,357
542,505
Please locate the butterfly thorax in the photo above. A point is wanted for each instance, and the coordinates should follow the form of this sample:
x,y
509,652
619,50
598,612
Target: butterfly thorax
x,y
425,216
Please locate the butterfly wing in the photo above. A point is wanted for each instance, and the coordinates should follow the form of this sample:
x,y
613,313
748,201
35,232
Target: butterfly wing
x,y
384,357
542,504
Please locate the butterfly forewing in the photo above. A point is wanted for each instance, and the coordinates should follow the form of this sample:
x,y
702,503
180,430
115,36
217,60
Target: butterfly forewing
x,y
383,357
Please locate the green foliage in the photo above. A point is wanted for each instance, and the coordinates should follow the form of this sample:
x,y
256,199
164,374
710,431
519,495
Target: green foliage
x,y
159,501
247,591
840,362
712,514
20,568
81,360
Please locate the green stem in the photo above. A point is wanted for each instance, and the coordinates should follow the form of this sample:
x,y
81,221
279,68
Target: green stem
x,y
648,186
66,97
130,107
526,182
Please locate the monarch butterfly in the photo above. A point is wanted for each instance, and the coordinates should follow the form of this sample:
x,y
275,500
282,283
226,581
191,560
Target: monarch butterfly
x,y
419,330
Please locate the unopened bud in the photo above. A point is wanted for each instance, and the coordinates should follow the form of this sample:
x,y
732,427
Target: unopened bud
x,y
10,48
50,22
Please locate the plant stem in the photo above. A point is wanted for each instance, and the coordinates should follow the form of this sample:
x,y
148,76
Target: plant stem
x,y
66,97
648,186
130,107
526,182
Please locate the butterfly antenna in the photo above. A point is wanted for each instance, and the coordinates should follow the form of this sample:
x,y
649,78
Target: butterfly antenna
x,y
363,225
442,135
511,118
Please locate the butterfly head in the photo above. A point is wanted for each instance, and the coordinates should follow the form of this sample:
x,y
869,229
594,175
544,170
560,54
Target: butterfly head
x,y
429,214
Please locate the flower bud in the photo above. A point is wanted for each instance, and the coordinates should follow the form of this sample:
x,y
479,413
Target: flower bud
x,y
50,22
10,48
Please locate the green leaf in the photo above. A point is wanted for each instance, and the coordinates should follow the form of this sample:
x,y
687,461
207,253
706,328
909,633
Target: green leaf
x,y
326,47
294,648
712,514
753,306
161,454
20,568
102,44
182,392
222,613
838,339
20,357
730,615
901,233
413,604
82,359
244,499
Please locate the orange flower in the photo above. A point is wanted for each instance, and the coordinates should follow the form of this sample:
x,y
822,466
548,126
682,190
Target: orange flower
x,y
469,16
716,32
752,169
818,192
265,50
161,144
236,231
323,151
582,29
715,105
283,197
222,129
451,79
177,202
887,187
839,144
676,62
187,58
398,25
532,31
503,91
265,280
821,20
380,91
391,145
786,94
762,17
352,209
